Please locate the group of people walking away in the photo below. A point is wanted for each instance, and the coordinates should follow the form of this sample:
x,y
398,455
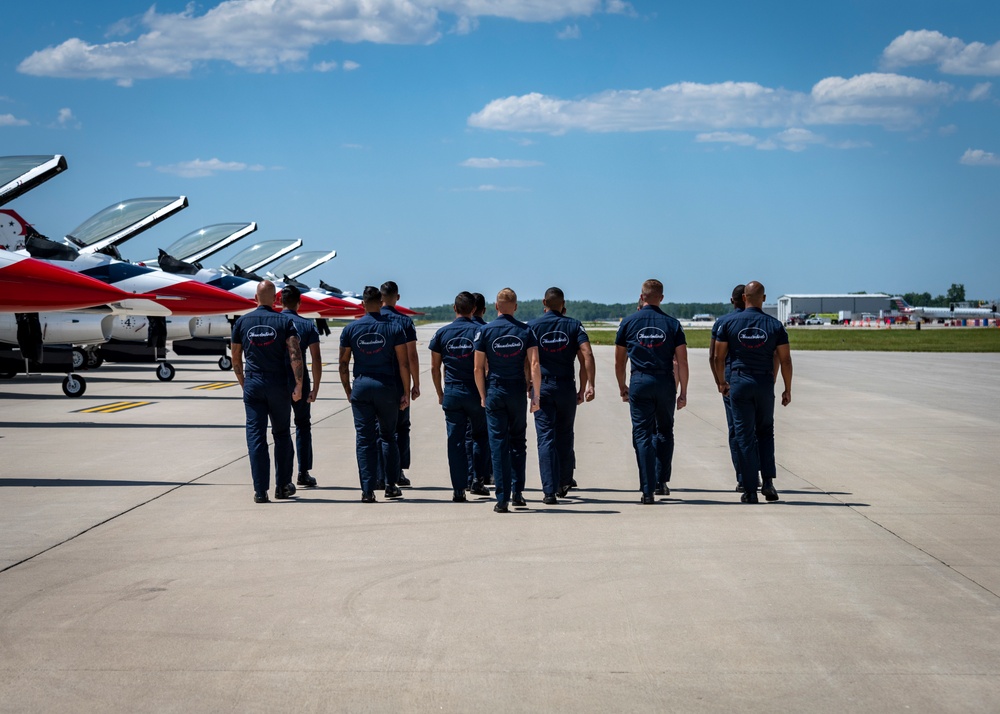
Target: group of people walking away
x,y
489,375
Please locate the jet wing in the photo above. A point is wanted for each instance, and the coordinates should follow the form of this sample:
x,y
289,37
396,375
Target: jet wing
x,y
20,174
124,220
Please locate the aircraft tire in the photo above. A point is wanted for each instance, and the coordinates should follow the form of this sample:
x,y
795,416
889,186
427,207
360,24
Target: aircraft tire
x,y
94,360
165,372
74,386
225,364
79,358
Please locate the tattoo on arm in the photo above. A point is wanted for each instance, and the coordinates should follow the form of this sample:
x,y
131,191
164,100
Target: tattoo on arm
x,y
295,354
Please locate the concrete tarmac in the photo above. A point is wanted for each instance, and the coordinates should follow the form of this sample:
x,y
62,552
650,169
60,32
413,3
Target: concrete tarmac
x,y
137,574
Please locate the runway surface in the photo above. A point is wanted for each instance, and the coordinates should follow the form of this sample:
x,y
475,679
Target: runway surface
x,y
138,574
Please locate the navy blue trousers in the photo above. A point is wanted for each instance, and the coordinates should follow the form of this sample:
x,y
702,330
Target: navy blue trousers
x,y
734,449
376,410
464,417
507,422
554,428
752,400
651,404
302,413
265,400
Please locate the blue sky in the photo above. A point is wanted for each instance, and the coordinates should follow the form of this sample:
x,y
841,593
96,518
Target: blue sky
x,y
590,144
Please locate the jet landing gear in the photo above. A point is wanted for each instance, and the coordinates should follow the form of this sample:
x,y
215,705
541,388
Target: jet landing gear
x,y
165,371
74,385
225,363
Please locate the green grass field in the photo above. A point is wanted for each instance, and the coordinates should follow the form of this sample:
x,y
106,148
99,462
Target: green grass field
x,y
865,339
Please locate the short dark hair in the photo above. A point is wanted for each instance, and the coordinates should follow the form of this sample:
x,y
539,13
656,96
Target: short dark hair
x,y
738,293
389,288
290,296
465,303
371,294
480,302
554,297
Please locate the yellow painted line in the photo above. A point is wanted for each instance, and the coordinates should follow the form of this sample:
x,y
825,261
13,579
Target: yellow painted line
x,y
215,385
112,408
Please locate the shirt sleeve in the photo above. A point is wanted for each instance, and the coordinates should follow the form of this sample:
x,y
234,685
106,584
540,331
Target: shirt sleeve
x,y
480,342
620,340
581,335
345,337
530,339
781,336
237,336
681,339
409,330
435,343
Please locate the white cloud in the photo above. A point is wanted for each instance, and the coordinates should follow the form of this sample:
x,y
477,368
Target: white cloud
x,y
11,120
888,100
352,146
950,54
570,32
798,139
144,164
492,163
267,35
350,65
199,168
66,120
948,130
325,66
978,157
727,137
980,91
620,7
487,188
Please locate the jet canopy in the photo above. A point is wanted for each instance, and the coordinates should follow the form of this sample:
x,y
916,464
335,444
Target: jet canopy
x,y
257,256
123,220
200,244
20,174
295,265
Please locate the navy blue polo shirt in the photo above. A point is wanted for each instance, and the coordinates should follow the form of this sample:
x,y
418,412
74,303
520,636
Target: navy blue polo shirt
x,y
506,342
559,339
651,336
308,335
263,334
753,337
373,340
456,343
715,336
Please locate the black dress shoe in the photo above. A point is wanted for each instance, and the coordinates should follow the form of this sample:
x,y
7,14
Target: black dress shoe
x,y
666,490
518,500
658,491
286,491
769,493
488,480
393,492
501,507
572,483
479,489
550,501
260,497
739,488
459,497
368,497
563,492
749,497
401,480
379,485
304,479
647,500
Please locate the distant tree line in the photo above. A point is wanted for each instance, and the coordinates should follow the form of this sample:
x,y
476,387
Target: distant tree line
x,y
587,311
956,293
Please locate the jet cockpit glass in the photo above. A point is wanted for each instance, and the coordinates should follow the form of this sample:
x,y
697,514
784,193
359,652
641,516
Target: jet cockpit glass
x,y
261,254
117,218
19,174
202,239
295,265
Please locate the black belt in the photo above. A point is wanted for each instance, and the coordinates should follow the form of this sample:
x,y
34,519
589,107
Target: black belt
x,y
508,380
554,378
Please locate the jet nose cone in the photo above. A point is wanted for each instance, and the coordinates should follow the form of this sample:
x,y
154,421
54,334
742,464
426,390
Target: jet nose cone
x,y
336,307
30,285
201,299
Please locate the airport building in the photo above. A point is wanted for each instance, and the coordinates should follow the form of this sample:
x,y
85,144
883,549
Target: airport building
x,y
874,303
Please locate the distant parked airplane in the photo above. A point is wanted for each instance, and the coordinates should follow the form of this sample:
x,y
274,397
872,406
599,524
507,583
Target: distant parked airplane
x,y
954,312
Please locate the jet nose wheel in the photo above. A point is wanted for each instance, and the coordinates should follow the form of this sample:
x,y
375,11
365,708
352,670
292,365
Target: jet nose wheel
x,y
165,372
74,386
225,363
79,358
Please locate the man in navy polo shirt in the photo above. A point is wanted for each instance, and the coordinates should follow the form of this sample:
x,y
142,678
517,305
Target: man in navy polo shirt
x,y
738,306
302,409
378,346
454,347
561,342
650,339
267,340
479,319
390,296
508,349
753,339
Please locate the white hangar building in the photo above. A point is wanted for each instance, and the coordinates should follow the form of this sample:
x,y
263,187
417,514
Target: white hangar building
x,y
875,303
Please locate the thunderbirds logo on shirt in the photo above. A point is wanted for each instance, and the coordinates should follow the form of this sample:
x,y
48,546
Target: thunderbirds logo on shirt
x,y
262,335
555,341
460,347
371,343
508,346
752,337
651,337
